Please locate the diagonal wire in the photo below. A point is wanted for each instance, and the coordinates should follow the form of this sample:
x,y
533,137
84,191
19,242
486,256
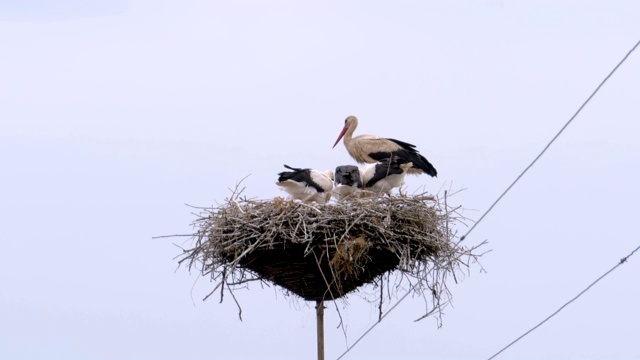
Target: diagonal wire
x,y
622,261
377,322
502,195
550,142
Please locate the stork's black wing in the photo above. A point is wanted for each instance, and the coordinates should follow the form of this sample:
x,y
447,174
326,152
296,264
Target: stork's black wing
x,y
409,153
296,175
299,175
385,168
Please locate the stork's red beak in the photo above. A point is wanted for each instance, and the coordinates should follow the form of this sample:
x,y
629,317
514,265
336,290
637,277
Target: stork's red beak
x,y
340,136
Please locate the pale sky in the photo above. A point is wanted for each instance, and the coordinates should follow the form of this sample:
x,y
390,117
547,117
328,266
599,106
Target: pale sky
x,y
115,115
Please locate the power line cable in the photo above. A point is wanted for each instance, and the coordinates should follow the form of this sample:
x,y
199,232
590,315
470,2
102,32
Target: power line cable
x,y
377,322
550,142
502,195
622,261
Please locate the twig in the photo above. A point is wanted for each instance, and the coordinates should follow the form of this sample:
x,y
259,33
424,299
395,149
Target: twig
x,y
381,296
174,235
237,303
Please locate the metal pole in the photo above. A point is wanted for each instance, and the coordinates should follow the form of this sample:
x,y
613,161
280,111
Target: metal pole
x,y
320,321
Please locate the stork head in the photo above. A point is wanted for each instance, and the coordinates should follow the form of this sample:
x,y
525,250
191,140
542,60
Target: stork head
x,y
349,123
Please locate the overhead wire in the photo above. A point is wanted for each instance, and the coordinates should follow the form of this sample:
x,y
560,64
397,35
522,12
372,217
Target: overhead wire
x,y
502,195
622,261
550,142
376,323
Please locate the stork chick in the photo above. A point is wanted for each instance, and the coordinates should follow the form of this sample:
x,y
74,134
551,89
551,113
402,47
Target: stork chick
x,y
307,185
347,181
384,175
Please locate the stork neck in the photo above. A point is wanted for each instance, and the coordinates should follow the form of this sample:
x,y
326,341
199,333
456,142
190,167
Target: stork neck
x,y
349,134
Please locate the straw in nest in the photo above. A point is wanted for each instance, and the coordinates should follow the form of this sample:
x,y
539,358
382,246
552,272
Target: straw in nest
x,y
324,252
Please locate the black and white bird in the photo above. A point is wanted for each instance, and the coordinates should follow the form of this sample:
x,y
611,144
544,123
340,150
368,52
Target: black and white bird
x,y
370,149
306,184
384,175
347,181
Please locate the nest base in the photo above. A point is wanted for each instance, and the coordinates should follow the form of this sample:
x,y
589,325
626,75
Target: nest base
x,y
309,272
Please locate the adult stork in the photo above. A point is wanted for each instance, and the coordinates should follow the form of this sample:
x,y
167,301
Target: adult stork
x,y
347,181
371,149
306,184
384,175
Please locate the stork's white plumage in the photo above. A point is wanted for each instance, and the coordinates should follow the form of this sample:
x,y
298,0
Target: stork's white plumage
x,y
306,184
347,181
371,149
385,175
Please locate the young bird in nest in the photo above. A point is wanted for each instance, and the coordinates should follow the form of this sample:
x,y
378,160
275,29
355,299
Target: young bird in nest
x,y
347,181
384,175
307,185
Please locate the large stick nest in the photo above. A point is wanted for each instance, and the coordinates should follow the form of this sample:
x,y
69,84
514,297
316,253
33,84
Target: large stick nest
x,y
323,252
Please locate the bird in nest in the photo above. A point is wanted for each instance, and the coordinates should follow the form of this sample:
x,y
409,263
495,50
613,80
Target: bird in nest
x,y
381,177
347,182
307,185
371,149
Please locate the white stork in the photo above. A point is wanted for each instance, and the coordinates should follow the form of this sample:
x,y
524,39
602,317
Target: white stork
x,y
371,149
306,184
347,181
384,175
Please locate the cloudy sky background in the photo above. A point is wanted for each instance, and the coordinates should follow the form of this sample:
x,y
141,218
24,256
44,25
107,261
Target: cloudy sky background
x,y
115,115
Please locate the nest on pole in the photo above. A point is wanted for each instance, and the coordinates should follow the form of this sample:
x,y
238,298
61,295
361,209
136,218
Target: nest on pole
x,y
324,252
